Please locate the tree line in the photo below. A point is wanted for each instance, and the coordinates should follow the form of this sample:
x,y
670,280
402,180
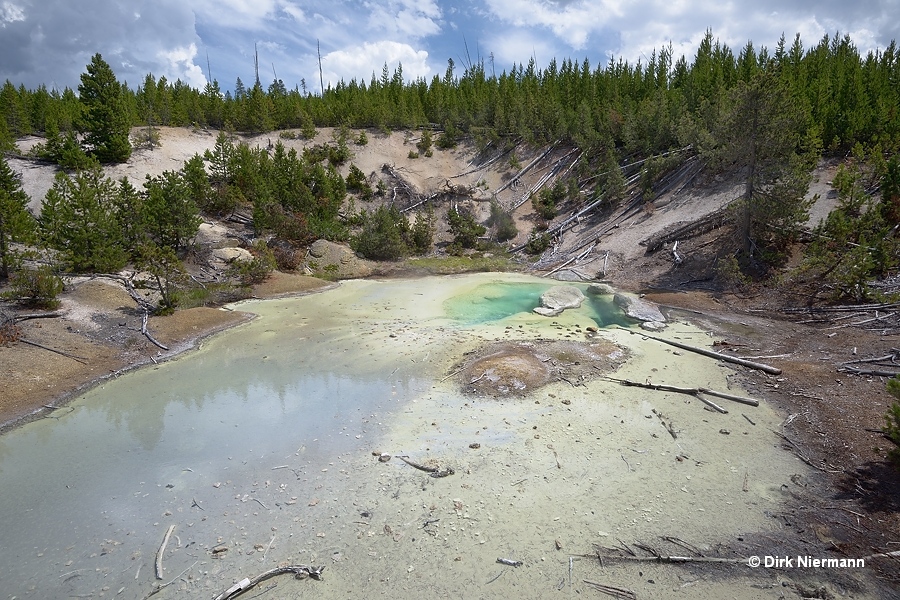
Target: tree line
x,y
640,108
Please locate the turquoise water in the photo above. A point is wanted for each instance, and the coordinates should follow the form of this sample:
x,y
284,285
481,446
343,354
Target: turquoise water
x,y
495,301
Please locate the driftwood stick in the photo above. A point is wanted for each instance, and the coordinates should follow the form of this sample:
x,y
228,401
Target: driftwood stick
x,y
690,391
52,315
164,585
417,465
147,333
732,397
299,571
876,372
450,375
162,550
732,359
49,349
611,590
711,404
665,559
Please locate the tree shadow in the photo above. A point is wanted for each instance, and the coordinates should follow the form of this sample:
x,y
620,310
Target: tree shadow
x,y
875,485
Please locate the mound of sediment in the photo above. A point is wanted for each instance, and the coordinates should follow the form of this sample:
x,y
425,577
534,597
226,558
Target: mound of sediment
x,y
516,368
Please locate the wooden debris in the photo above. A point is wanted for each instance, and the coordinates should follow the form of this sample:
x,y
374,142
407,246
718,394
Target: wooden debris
x,y
797,451
611,590
299,571
703,351
669,427
164,585
696,392
432,471
60,352
162,550
509,562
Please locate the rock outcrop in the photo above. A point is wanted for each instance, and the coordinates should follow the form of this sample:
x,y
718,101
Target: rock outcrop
x,y
638,308
600,289
559,298
336,261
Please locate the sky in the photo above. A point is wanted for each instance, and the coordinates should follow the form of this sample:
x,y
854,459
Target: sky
x,y
52,41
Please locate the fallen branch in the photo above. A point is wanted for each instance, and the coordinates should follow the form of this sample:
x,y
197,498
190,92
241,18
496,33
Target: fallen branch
x,y
52,315
675,560
732,359
611,591
49,349
696,392
797,451
433,471
146,333
162,550
876,372
176,578
299,571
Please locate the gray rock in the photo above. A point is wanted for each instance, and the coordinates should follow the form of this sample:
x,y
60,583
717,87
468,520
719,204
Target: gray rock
x,y
638,308
559,298
230,255
600,289
567,275
653,325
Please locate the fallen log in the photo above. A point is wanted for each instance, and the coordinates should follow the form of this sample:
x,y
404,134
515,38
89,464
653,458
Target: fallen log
x,y
147,334
685,230
299,571
875,372
696,392
52,315
49,349
703,351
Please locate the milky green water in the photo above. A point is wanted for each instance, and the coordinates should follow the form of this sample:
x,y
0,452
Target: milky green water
x,y
87,494
261,442
496,300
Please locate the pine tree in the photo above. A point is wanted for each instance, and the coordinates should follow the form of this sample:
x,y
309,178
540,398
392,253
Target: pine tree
x,y
761,136
16,222
171,215
80,218
105,120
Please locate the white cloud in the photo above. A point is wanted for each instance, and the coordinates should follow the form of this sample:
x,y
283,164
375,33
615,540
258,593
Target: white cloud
x,y
361,61
571,22
409,19
10,13
181,66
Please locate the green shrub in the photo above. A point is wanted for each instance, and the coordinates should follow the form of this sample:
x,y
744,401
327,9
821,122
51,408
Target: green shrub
x,y
537,243
257,269
464,228
37,288
503,223
384,235
892,420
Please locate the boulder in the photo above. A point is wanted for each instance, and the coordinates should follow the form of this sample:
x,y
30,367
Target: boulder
x,y
653,325
336,261
638,308
600,289
230,255
559,298
568,275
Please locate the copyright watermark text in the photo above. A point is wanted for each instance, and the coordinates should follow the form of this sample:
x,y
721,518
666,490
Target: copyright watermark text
x,y
805,562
